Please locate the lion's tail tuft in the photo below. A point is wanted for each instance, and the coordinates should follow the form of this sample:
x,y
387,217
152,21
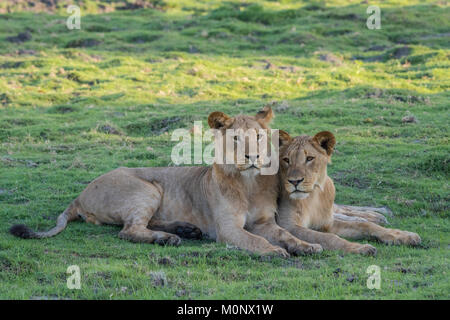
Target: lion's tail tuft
x,y
24,232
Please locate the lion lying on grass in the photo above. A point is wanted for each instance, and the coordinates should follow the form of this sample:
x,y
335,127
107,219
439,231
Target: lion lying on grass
x,y
307,196
231,203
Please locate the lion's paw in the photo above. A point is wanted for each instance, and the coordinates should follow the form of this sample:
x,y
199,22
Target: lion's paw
x,y
278,251
365,249
399,237
306,248
168,239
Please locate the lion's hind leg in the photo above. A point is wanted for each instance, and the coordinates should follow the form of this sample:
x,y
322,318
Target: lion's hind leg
x,y
369,230
375,215
137,219
140,233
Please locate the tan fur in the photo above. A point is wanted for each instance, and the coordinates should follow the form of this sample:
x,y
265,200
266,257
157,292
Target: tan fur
x,y
229,203
308,213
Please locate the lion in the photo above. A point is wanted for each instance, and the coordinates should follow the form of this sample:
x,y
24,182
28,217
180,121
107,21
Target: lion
x,y
231,203
307,195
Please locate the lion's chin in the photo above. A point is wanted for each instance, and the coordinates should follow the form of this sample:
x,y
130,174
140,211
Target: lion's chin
x,y
299,195
250,172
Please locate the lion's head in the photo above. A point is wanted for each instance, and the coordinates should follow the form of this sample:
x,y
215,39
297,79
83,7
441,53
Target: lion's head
x,y
303,162
243,151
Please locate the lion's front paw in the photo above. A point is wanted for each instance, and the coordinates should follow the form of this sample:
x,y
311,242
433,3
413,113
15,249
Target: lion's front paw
x,y
399,237
365,249
306,248
277,251
168,239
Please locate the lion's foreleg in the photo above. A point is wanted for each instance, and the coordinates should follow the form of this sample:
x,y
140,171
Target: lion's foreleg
x,y
281,237
331,241
231,232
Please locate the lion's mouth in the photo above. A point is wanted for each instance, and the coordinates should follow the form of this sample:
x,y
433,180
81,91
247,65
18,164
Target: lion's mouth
x,y
299,194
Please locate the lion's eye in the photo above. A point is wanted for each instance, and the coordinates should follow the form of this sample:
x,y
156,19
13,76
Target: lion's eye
x,y
286,160
308,159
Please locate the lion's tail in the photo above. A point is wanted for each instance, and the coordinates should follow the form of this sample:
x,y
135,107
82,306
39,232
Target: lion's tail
x,y
22,231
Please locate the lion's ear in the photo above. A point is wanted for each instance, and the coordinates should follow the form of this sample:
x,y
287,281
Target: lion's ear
x,y
284,137
265,115
326,140
217,120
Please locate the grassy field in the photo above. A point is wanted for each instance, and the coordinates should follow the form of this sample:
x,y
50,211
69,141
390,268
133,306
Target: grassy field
x,y
75,104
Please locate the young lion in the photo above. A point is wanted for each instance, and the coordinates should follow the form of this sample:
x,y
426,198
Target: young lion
x,y
231,203
307,196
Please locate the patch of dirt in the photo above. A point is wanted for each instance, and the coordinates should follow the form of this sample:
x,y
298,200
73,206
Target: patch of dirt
x,y
143,38
348,276
143,4
329,57
62,109
409,119
193,49
435,36
298,39
155,126
13,65
108,129
376,48
159,278
401,52
348,16
407,97
21,37
377,58
165,261
83,43
5,99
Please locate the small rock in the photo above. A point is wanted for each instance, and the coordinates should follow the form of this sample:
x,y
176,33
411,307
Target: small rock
x,y
31,164
269,65
180,293
159,278
376,48
21,37
165,261
401,52
193,49
123,289
108,129
409,119
329,57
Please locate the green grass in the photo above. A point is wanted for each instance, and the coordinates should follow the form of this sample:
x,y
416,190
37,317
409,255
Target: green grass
x,y
84,102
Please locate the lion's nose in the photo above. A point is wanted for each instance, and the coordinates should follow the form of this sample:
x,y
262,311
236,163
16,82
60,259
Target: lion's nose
x,y
251,158
296,182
